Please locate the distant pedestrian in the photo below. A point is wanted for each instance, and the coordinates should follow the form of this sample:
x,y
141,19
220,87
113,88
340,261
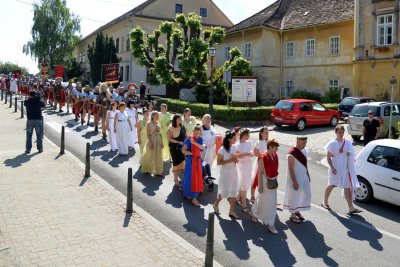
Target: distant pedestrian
x,y
371,128
122,127
176,135
152,159
341,173
142,91
228,186
298,190
57,93
264,208
112,138
14,85
188,121
34,121
150,108
142,133
259,147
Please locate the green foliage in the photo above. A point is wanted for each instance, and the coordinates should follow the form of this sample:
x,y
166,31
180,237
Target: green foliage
x,y
8,67
304,94
73,69
53,32
222,113
331,96
102,51
333,106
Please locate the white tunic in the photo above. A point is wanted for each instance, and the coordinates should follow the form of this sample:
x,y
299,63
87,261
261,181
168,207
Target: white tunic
x,y
13,85
228,184
112,138
132,134
245,165
265,206
261,145
123,130
209,137
298,200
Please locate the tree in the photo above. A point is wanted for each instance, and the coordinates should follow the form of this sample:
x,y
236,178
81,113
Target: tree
x,y
186,47
53,32
101,51
8,67
73,69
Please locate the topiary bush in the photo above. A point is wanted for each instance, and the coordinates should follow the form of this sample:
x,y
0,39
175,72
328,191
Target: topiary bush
x,y
304,94
331,96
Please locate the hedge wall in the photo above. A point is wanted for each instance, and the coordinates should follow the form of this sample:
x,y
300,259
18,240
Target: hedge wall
x,y
222,112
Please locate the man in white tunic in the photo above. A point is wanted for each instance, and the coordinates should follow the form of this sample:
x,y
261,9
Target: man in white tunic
x,y
298,190
341,172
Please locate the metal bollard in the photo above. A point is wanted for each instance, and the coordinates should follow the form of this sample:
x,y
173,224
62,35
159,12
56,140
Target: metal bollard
x,y
5,99
129,195
15,104
22,109
210,241
62,147
10,99
87,160
2,94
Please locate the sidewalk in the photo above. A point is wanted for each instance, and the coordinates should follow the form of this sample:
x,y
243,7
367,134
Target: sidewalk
x,y
50,215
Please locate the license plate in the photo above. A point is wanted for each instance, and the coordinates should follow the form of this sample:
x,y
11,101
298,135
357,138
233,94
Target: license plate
x,y
278,119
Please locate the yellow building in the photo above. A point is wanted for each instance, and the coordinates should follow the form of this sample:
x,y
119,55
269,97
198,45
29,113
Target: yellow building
x,y
376,47
148,16
297,45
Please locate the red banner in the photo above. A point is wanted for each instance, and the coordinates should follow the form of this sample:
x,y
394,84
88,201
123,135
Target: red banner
x,y
58,71
44,69
110,73
17,73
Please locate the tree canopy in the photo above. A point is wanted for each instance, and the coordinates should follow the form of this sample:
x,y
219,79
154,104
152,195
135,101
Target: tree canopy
x,y
181,61
101,51
8,67
53,32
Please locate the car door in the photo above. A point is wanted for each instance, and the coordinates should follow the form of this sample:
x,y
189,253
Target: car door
x,y
320,114
394,181
306,112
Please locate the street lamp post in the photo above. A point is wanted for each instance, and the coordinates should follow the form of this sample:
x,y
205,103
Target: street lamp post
x,y
393,82
211,108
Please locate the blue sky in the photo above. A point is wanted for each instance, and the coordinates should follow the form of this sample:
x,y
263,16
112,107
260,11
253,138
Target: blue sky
x,y
16,19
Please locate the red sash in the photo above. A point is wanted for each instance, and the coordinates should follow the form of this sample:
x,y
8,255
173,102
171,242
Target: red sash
x,y
270,164
348,167
197,174
297,154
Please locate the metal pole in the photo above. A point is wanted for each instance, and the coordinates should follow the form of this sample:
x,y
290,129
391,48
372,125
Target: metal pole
x,y
10,99
391,112
22,109
2,94
129,195
15,104
62,147
87,160
210,241
211,107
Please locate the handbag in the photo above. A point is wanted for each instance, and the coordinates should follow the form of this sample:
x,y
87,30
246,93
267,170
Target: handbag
x,y
271,183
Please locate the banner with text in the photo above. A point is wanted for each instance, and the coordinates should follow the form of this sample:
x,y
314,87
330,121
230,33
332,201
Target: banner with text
x,y
110,73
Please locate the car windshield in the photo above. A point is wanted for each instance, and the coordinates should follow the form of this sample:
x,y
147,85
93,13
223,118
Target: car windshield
x,y
284,105
349,102
362,111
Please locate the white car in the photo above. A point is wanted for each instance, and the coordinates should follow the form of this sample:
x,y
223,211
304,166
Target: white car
x,y
378,170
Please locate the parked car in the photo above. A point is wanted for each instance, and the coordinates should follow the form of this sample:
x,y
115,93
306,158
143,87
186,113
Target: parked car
x,y
303,112
382,113
348,103
378,171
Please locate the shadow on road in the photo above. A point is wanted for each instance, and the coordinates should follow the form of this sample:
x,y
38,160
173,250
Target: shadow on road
x,y
118,160
127,219
89,135
383,209
18,160
195,218
151,183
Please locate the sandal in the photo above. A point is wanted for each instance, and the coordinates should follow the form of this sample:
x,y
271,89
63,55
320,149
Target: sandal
x,y
273,230
238,202
245,210
298,214
216,210
354,211
253,218
233,215
295,220
196,204
325,206
252,200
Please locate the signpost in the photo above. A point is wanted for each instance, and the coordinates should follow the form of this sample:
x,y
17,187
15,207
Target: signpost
x,y
393,82
227,79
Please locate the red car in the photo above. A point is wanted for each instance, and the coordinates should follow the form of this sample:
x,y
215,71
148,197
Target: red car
x,y
303,112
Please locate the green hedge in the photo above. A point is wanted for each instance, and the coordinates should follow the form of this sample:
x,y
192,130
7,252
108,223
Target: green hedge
x,y
334,106
222,112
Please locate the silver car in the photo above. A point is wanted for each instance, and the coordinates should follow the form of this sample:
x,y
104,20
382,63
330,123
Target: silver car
x,y
382,113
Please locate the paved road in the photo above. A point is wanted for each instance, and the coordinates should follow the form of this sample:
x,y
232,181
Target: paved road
x,y
326,239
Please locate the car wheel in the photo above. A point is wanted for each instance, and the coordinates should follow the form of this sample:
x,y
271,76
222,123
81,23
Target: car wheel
x,y
334,121
278,125
364,192
356,137
301,125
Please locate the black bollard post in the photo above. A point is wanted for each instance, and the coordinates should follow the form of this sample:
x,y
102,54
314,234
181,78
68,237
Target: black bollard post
x,y
87,160
62,147
10,99
210,241
22,109
15,104
129,195
2,94
5,99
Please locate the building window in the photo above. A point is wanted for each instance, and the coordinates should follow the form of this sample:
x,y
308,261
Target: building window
x,y
385,30
310,47
289,88
334,45
128,44
121,73
248,50
127,73
333,85
203,12
122,43
290,49
117,44
178,8
227,49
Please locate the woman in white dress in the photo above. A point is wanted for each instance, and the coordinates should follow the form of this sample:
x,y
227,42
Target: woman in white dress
x,y
112,138
14,85
133,116
122,128
228,186
245,166
259,147
209,136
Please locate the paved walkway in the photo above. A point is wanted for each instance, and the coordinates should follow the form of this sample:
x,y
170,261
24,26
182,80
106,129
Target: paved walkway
x,y
51,216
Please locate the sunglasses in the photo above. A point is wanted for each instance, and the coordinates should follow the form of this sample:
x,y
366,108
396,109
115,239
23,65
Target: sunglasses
x,y
370,113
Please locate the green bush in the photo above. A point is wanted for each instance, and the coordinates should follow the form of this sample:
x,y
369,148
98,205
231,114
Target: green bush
x,y
331,96
222,113
333,106
304,94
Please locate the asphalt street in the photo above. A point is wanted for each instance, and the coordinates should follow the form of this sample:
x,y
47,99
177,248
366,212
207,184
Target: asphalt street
x,y
325,238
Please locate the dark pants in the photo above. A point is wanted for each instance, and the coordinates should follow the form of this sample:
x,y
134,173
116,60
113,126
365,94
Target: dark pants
x,y
206,170
37,125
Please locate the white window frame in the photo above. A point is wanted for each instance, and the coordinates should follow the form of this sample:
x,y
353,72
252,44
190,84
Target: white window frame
x,y
309,47
289,49
333,84
227,49
334,45
248,50
385,26
204,13
289,86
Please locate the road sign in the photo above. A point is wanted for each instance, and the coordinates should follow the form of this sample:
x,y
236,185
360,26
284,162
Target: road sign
x,y
227,76
393,81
